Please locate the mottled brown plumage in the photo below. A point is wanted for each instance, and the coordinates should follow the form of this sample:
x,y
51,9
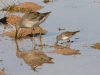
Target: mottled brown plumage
x,y
31,20
66,35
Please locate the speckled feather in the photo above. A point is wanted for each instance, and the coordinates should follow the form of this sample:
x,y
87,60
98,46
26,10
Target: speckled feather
x,y
66,35
32,19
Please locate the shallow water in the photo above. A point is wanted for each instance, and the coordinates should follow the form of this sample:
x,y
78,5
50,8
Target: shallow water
x,y
74,15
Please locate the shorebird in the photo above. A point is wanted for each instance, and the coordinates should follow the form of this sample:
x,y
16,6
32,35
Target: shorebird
x,y
66,36
33,58
31,20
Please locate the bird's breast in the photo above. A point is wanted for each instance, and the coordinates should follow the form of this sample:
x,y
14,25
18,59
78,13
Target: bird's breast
x,y
29,24
65,38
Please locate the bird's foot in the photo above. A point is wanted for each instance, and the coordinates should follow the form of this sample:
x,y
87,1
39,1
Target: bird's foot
x,y
34,69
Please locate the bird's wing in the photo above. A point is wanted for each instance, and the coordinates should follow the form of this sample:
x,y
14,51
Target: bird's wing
x,y
26,15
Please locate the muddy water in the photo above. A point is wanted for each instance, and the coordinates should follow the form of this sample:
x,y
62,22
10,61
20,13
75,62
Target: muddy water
x,y
74,15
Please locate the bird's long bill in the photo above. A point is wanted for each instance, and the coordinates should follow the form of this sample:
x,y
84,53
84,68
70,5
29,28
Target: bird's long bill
x,y
46,15
40,35
40,32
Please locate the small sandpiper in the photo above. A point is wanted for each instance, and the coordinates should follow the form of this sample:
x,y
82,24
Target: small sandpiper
x,y
66,36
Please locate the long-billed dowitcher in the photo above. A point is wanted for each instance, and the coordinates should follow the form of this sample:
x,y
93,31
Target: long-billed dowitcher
x,y
66,35
33,58
31,20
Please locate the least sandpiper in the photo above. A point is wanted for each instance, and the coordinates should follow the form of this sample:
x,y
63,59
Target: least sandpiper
x,y
66,35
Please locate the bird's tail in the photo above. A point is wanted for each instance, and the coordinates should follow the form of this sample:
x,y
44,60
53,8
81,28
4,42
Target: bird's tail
x,y
49,60
77,31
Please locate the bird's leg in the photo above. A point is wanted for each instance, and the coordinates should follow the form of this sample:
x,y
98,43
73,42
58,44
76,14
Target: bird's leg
x,y
68,43
34,68
56,42
20,33
40,36
33,35
34,48
16,33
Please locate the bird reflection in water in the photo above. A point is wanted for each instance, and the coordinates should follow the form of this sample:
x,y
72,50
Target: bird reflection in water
x,y
33,58
65,50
